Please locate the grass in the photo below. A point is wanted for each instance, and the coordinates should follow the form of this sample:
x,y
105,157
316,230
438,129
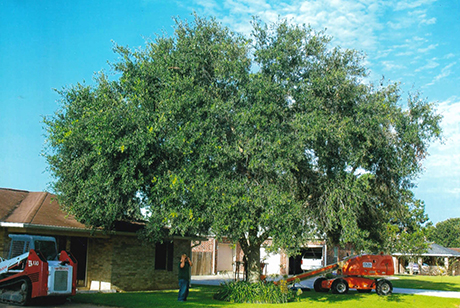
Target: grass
x,y
442,283
201,296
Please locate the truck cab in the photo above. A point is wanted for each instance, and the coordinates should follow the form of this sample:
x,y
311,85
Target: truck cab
x,y
22,243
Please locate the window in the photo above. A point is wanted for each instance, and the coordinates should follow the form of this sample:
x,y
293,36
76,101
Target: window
x,y
47,248
17,249
164,254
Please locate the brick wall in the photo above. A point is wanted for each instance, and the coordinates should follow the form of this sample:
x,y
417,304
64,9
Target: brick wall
x,y
99,264
205,246
4,240
126,263
336,253
133,264
134,267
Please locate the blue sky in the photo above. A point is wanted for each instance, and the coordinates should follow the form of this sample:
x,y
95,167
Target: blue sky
x,y
46,45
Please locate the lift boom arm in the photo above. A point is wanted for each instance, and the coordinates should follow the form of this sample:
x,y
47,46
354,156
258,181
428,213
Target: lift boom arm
x,y
5,265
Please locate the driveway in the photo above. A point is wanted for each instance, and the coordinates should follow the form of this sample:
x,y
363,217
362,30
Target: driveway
x,y
449,294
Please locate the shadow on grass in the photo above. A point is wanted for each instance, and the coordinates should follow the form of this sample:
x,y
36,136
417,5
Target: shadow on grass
x,y
202,296
350,296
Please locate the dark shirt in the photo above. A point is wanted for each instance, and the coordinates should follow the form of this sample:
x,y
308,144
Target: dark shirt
x,y
184,272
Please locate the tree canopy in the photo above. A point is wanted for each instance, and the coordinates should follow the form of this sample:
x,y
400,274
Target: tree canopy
x,y
276,135
446,233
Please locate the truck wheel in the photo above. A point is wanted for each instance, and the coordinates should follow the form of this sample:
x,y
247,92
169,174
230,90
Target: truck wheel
x,y
339,286
384,287
317,285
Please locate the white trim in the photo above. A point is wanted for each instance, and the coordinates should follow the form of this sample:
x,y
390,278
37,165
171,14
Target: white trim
x,y
11,224
425,255
214,255
49,227
325,254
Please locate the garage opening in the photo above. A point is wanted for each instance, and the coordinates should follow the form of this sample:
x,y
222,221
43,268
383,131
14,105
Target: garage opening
x,y
310,258
79,249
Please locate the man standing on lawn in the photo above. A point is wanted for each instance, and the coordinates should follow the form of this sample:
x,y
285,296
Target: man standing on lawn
x,y
184,277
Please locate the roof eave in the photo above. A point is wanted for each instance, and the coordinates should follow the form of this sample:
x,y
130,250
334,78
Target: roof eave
x,y
87,230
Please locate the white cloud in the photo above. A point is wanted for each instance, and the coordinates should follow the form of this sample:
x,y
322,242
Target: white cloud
x,y
405,19
445,158
454,191
405,53
417,38
426,49
391,65
403,22
352,24
209,4
445,72
430,21
411,4
357,24
430,64
450,110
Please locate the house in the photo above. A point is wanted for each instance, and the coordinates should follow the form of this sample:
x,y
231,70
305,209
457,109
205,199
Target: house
x,y
214,256
118,260
436,254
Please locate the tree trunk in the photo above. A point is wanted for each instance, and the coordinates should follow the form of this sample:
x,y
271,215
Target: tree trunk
x,y
254,264
252,253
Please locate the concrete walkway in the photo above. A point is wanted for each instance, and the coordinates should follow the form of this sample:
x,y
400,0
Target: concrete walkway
x,y
215,280
449,294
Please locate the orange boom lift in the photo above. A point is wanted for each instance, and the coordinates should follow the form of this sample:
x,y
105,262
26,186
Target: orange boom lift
x,y
353,273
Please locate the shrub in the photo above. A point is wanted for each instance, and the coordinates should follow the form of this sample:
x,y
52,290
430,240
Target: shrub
x,y
260,292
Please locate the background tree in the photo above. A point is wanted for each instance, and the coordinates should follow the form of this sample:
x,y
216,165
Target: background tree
x,y
276,136
446,233
407,229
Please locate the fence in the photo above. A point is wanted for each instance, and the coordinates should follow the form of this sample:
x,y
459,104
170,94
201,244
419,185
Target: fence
x,y
202,263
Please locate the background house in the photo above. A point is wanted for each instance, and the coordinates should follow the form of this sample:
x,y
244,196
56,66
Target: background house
x,y
213,257
437,260
115,261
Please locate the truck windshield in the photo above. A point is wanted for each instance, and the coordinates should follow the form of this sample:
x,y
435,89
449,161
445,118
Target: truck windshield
x,y
47,248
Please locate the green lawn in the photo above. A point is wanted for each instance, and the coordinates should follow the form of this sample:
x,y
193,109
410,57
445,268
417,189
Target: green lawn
x,y
201,296
443,283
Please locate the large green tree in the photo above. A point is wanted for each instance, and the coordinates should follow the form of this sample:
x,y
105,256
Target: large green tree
x,y
275,135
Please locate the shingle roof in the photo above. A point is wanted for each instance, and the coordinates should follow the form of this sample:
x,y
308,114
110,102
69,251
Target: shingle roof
x,y
34,208
438,250
24,209
435,250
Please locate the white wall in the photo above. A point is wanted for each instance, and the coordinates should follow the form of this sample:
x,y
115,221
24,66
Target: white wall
x,y
273,261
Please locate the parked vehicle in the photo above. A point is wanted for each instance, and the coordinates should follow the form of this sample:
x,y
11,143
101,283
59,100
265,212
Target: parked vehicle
x,y
311,259
416,268
34,269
